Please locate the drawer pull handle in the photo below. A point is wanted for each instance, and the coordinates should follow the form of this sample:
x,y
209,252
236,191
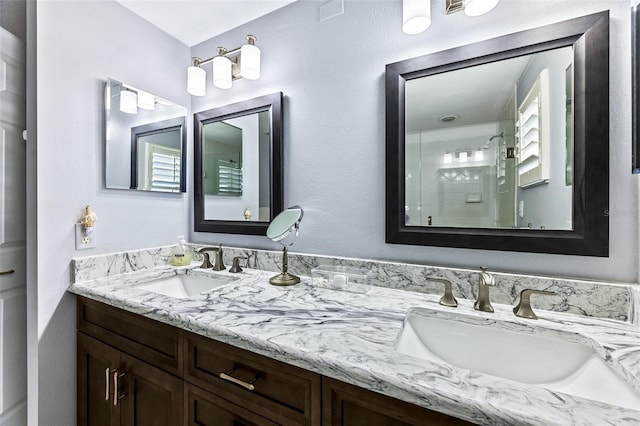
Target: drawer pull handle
x,y
247,385
9,272
116,397
106,384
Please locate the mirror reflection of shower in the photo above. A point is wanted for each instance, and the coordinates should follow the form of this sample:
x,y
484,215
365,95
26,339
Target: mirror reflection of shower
x,y
492,155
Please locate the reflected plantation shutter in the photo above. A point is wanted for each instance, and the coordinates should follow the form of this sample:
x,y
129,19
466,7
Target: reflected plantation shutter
x,y
165,169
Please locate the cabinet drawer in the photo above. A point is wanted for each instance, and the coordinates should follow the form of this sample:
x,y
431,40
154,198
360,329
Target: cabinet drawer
x,y
283,393
151,341
348,405
204,408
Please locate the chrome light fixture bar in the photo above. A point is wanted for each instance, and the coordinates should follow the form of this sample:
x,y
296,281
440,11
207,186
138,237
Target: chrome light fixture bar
x,y
470,7
228,65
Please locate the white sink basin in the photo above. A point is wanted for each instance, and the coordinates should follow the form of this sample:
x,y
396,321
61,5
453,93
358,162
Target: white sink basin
x,y
185,286
554,362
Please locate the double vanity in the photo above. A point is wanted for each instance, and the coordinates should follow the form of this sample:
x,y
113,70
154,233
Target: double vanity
x,y
264,354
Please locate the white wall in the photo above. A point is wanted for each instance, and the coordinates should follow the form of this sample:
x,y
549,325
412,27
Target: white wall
x,y
332,77
79,45
556,193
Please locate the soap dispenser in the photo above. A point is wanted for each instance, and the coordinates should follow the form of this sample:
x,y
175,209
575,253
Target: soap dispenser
x,y
181,255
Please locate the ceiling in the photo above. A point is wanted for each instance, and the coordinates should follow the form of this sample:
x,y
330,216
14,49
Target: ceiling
x,y
194,21
474,95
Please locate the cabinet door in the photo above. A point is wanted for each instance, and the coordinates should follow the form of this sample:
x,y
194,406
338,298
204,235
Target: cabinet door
x,y
205,409
347,405
96,362
148,396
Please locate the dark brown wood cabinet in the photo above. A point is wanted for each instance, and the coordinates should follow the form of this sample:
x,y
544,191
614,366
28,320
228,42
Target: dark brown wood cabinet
x,y
348,405
117,389
206,409
136,371
281,392
96,361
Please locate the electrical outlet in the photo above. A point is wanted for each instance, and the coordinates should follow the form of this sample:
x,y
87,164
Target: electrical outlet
x,y
84,242
521,209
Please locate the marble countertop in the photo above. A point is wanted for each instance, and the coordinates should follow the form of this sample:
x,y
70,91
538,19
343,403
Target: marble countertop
x,y
350,337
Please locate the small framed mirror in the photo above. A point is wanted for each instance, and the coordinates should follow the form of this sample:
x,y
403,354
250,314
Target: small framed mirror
x,y
145,140
503,144
238,166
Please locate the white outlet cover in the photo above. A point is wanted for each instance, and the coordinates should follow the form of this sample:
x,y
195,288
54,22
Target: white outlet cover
x,y
83,241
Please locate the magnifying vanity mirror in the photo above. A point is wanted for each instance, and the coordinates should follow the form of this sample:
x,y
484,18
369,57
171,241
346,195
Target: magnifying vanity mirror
x,y
145,140
238,166
284,229
503,144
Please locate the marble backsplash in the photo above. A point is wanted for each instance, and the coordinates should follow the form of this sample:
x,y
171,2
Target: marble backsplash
x,y
582,297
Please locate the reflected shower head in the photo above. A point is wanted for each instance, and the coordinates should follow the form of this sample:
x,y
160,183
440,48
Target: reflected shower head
x,y
500,135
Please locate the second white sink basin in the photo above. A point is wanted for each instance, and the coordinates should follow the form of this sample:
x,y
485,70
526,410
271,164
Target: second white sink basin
x,y
185,286
528,357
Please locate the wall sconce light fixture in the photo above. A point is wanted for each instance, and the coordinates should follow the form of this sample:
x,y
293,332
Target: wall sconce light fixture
x,y
128,101
463,155
228,65
478,7
146,101
416,16
470,7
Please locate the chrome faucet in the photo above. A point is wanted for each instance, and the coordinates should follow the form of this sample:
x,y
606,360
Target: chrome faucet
x,y
218,265
483,303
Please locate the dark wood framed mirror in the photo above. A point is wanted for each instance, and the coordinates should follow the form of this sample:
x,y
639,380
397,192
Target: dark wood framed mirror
x,y
635,45
534,177
158,151
238,164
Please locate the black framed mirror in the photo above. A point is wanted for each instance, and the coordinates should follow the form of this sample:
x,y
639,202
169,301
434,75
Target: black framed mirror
x,y
635,45
524,167
238,166
157,154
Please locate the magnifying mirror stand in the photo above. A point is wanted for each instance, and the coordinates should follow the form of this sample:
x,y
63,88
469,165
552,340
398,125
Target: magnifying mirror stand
x,y
284,278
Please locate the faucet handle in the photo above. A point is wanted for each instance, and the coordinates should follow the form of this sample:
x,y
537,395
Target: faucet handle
x,y
206,261
523,308
485,277
235,268
447,299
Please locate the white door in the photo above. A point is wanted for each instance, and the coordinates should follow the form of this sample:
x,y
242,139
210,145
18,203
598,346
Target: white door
x,y
13,313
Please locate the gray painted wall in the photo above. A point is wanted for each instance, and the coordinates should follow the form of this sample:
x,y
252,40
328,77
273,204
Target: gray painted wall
x,y
332,76
79,45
